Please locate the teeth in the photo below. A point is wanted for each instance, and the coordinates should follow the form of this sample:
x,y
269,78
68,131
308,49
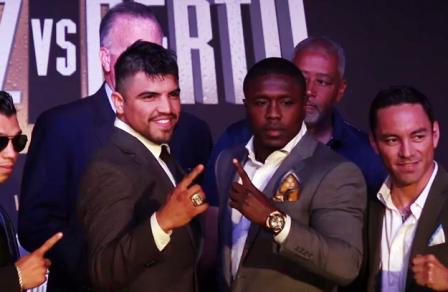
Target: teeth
x,y
163,121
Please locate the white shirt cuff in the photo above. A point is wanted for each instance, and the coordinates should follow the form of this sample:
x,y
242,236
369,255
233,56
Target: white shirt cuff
x,y
161,238
281,237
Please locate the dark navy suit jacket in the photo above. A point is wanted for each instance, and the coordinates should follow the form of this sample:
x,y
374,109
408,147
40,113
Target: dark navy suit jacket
x,y
348,141
63,142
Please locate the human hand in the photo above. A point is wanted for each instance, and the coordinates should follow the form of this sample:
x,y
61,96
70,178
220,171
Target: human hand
x,y
429,272
34,266
247,199
178,210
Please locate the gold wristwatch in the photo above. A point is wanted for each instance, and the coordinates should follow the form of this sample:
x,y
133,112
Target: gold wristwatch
x,y
275,222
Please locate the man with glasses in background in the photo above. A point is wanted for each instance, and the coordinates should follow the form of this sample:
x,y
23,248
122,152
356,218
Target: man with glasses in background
x,y
16,274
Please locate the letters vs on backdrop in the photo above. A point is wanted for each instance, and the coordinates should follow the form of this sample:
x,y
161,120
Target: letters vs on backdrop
x,y
49,49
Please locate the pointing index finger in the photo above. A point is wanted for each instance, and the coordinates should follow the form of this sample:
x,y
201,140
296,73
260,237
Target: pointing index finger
x,y
190,177
241,172
49,243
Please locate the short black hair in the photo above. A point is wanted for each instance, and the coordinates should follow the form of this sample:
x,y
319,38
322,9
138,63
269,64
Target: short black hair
x,y
274,65
142,56
7,107
396,95
133,9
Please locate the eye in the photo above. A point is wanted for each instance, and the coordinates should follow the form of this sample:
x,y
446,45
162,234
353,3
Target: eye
x,y
390,141
287,101
322,82
418,137
260,102
148,97
175,94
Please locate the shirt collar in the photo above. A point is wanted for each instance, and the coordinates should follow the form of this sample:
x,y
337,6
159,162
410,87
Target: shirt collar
x,y
109,96
385,196
281,152
154,148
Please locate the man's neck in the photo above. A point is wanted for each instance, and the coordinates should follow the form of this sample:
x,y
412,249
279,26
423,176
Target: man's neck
x,y
323,130
404,195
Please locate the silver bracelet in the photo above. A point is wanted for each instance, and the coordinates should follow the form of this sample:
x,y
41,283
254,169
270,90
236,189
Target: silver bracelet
x,y
19,273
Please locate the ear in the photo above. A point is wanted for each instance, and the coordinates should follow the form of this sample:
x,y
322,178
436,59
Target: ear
x,y
435,134
105,59
373,142
341,90
118,100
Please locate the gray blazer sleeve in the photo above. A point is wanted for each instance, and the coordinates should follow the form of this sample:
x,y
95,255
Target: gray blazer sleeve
x,y
331,245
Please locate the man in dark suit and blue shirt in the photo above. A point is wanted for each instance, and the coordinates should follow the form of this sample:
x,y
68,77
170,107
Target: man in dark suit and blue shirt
x,y
291,210
65,139
28,271
409,218
133,205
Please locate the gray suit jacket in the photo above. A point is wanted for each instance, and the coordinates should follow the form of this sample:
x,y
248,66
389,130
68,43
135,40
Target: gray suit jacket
x,y
435,213
123,186
324,246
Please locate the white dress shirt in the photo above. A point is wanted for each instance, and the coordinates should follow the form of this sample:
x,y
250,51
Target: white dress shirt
x,y
397,236
161,238
260,174
109,96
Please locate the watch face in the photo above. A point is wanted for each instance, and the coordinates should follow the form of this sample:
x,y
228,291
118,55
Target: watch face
x,y
276,222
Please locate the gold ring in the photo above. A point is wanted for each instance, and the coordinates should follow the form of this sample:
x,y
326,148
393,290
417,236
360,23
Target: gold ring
x,y
197,200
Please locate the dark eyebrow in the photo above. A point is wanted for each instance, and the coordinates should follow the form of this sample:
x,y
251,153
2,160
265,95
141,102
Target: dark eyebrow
x,y
144,93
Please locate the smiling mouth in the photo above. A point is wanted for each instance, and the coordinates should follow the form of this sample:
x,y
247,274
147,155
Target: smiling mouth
x,y
165,121
410,166
7,167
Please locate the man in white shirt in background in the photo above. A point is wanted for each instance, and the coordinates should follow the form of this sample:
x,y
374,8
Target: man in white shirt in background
x,y
409,219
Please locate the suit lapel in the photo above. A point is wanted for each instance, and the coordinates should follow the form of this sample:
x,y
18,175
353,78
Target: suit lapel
x,y
428,219
375,226
294,161
225,176
142,156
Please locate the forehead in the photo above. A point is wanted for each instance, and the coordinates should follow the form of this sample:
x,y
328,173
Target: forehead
x,y
126,29
316,60
9,126
402,119
141,82
273,85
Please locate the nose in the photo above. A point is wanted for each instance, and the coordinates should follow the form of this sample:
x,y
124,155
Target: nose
x,y
310,87
273,111
9,152
165,105
406,149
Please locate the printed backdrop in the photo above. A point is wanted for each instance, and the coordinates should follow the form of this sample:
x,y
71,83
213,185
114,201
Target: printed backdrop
x,y
49,52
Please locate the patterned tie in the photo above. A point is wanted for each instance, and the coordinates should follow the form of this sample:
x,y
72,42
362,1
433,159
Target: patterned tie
x,y
171,164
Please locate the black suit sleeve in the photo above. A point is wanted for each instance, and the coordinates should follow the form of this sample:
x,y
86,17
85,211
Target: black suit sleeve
x,y
9,279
